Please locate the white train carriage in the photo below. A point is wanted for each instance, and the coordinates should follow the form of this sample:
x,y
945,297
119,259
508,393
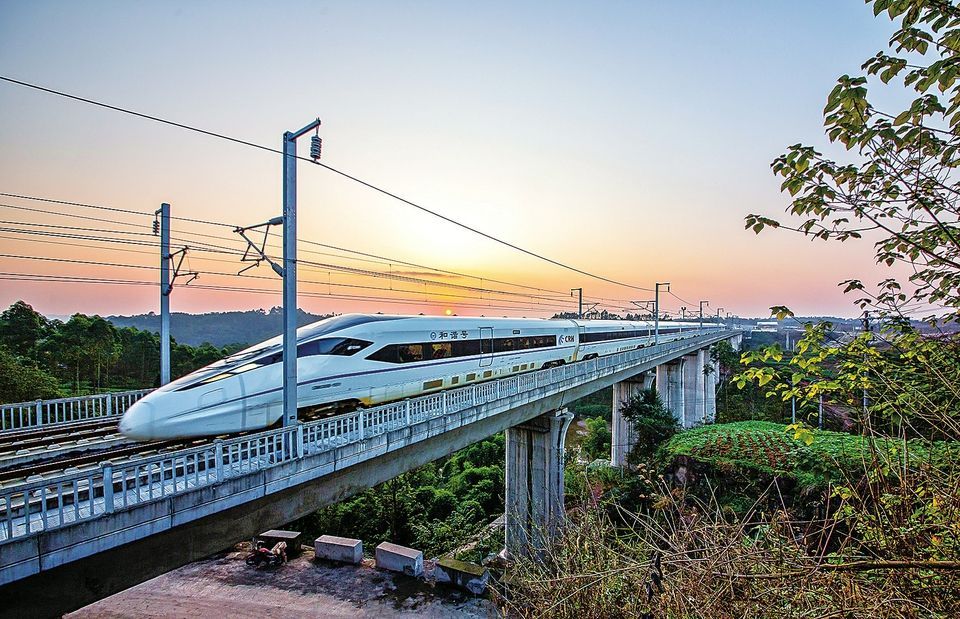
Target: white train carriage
x,y
363,360
606,337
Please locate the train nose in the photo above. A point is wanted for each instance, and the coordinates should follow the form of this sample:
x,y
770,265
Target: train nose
x,y
138,422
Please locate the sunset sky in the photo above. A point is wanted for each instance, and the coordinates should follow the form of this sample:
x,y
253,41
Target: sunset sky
x,y
627,139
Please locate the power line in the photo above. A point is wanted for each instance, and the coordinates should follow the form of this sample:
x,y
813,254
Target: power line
x,y
203,246
378,258
326,167
95,206
39,277
532,305
518,303
324,266
74,215
682,300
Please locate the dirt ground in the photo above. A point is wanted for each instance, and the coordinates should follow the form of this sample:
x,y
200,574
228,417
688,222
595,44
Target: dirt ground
x,y
224,586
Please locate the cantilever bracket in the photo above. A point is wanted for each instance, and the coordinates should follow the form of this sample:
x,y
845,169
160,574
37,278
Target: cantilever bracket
x,y
256,252
591,308
176,266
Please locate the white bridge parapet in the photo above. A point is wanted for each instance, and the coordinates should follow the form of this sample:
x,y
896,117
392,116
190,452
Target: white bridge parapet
x,y
43,413
86,512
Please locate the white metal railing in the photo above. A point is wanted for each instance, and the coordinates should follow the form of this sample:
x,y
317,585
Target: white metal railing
x,y
72,497
24,415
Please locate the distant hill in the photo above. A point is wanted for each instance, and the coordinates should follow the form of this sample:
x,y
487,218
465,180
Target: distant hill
x,y
218,328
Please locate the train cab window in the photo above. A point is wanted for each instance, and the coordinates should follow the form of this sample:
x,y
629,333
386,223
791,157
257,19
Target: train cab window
x,y
341,346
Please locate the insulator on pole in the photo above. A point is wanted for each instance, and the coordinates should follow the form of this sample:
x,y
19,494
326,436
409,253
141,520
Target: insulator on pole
x,y
315,146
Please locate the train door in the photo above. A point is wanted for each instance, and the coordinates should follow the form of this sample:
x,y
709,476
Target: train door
x,y
580,339
486,346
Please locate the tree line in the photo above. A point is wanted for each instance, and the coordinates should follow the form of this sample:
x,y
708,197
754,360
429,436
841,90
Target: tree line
x,y
47,358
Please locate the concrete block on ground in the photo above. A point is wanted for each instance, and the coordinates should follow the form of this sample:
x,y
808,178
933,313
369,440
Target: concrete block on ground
x,y
343,549
461,574
399,559
292,538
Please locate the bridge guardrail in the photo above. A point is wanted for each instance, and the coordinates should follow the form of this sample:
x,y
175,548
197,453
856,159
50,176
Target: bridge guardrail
x,y
67,498
42,413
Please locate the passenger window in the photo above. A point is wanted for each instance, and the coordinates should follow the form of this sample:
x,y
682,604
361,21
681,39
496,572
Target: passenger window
x,y
441,350
410,353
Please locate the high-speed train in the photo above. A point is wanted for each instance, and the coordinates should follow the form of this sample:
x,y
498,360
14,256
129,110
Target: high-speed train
x,y
363,360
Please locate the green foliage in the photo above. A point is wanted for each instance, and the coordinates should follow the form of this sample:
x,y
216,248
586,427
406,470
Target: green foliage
x,y
597,442
740,400
21,380
434,508
596,404
87,354
814,458
651,422
911,379
21,329
724,354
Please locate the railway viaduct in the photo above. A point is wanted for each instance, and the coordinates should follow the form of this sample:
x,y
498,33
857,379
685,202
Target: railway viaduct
x,y
71,538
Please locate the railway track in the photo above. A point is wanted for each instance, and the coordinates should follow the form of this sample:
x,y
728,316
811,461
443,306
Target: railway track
x,y
92,459
124,451
19,440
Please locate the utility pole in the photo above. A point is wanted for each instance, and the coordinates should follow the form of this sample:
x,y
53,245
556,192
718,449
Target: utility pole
x,y
579,292
161,226
656,310
290,265
702,303
165,290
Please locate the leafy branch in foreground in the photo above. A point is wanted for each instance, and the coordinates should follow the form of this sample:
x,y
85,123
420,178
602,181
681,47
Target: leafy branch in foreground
x,y
901,181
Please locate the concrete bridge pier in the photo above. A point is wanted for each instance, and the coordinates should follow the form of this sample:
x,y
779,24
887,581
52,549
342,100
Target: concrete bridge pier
x,y
534,481
670,386
710,389
623,440
694,402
